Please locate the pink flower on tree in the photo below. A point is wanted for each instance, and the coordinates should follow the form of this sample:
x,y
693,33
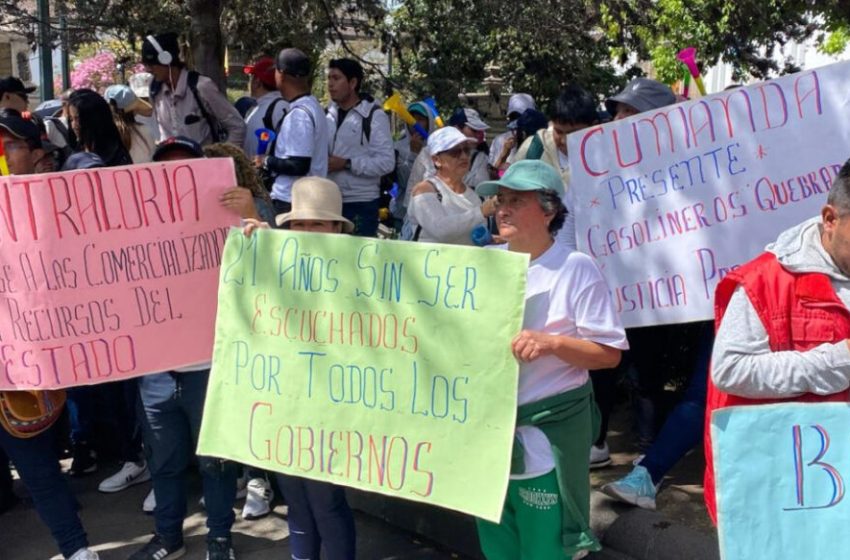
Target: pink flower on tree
x,y
97,72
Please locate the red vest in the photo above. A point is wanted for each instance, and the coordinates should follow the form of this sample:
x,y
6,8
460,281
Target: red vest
x,y
798,311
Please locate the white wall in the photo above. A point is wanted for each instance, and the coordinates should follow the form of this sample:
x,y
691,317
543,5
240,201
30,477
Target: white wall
x,y
806,56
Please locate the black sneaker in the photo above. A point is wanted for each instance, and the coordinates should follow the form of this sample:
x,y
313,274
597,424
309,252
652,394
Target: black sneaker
x,y
157,549
84,461
220,549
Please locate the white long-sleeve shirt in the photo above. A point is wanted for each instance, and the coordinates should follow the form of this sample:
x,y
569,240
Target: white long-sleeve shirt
x,y
742,361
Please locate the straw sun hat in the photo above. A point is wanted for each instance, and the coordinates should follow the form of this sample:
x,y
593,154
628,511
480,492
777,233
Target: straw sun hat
x,y
316,198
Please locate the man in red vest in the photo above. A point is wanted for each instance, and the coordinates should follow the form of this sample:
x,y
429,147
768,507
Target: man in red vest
x,y
782,320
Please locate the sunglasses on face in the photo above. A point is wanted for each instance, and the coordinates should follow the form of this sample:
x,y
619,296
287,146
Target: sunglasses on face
x,y
458,150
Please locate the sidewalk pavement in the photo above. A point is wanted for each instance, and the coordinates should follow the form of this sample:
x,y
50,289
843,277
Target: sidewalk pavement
x,y
680,527
116,525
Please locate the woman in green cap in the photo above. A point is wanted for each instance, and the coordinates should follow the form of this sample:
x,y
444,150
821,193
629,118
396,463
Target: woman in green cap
x,y
570,326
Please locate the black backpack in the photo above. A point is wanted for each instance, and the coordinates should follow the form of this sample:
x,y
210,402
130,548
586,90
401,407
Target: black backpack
x,y
217,130
267,118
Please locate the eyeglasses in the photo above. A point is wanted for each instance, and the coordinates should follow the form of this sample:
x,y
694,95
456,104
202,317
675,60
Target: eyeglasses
x,y
458,150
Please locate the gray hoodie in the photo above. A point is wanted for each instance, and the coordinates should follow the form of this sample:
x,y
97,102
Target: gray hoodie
x,y
742,362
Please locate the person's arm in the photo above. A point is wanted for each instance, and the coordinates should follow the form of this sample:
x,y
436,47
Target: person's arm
x,y
742,363
241,201
294,166
293,157
224,111
430,214
522,151
380,158
585,354
599,338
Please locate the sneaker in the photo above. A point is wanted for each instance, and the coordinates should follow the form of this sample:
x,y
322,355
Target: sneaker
x,y
150,503
635,488
84,461
130,474
84,554
157,549
258,501
599,456
219,549
581,554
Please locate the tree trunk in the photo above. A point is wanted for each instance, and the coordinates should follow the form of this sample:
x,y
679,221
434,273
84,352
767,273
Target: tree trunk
x,y
206,39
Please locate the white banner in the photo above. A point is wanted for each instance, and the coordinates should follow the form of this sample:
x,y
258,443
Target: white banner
x,y
669,201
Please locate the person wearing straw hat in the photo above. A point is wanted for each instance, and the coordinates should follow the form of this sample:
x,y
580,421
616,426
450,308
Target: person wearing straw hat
x,y
570,326
319,515
443,209
135,136
316,207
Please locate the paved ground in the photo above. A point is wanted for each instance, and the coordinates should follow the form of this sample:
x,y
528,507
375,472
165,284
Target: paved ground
x,y
117,526
680,499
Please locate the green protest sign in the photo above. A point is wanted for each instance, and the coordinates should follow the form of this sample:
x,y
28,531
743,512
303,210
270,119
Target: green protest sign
x,y
380,365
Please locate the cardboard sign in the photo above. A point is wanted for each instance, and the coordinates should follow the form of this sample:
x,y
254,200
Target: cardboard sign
x,y
109,273
781,472
670,200
380,365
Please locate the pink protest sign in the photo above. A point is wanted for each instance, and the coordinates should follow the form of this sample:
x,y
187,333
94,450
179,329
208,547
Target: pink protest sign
x,y
109,273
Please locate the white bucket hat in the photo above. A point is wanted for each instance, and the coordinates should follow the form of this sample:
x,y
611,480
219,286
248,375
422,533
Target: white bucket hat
x,y
316,198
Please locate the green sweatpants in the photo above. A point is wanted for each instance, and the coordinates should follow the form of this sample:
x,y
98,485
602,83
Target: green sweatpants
x,y
531,522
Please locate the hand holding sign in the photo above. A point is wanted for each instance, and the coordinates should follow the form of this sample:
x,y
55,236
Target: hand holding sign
x,y
360,362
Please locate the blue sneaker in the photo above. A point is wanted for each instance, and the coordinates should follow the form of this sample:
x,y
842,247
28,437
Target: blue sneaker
x,y
635,488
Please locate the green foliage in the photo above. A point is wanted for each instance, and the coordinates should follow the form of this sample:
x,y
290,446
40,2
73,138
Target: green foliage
x,y
836,41
748,34
443,46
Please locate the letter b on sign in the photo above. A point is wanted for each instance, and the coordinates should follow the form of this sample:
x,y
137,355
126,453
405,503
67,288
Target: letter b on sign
x,y
829,476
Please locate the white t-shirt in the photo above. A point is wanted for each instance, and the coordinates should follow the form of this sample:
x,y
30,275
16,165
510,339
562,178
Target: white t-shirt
x,y
303,133
566,294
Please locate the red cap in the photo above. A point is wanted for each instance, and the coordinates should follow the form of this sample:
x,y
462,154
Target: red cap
x,y
263,69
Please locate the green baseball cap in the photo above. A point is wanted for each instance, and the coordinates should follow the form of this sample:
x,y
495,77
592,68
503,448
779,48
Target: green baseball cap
x,y
525,175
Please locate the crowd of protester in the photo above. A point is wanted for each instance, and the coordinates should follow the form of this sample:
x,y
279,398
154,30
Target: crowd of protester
x,y
326,171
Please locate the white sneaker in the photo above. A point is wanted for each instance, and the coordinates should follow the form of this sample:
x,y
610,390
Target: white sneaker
x,y
599,456
258,500
130,474
84,554
150,502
